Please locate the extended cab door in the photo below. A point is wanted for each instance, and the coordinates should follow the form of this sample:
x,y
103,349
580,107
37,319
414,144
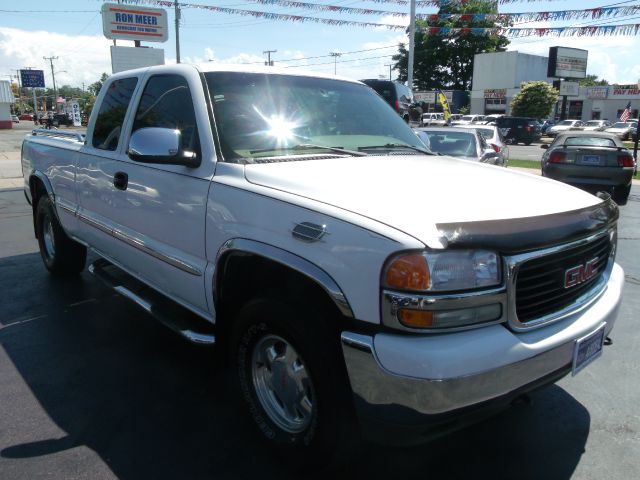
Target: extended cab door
x,y
156,213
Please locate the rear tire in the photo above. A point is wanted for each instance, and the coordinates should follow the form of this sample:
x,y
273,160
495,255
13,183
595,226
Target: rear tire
x,y
290,372
621,194
61,255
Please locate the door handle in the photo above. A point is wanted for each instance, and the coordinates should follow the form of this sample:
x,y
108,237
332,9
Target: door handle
x,y
120,180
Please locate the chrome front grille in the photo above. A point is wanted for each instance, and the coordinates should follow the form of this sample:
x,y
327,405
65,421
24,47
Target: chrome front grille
x,y
540,282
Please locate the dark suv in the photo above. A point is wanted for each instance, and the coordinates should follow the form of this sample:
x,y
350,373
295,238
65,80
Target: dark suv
x,y
397,95
519,129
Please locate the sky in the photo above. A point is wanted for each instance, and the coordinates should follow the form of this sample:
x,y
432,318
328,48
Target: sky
x,y
71,30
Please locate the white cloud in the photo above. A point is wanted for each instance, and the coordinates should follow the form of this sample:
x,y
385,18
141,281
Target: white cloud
x,y
83,57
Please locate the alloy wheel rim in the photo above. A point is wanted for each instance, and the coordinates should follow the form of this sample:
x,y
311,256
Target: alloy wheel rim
x,y
282,384
49,244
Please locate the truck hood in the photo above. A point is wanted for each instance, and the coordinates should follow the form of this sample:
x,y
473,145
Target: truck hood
x,y
413,193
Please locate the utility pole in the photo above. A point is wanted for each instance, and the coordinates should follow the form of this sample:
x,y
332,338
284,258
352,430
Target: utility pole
x,y
20,104
55,89
177,8
412,44
269,62
335,56
389,65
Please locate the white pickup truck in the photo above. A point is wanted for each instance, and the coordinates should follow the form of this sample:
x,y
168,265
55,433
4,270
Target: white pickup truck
x,y
352,274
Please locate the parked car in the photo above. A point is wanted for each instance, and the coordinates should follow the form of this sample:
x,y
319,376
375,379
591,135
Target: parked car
x,y
519,129
357,282
26,116
460,142
396,94
468,119
590,160
491,119
596,125
433,119
546,125
623,130
564,125
494,138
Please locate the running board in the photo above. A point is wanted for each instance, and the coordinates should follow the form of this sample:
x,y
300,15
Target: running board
x,y
182,321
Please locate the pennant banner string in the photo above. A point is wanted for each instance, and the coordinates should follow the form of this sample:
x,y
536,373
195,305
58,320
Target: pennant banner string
x,y
592,30
559,15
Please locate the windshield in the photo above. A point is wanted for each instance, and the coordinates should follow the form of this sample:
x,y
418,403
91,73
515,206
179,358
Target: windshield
x,y
622,125
458,144
269,115
595,123
468,117
589,141
566,122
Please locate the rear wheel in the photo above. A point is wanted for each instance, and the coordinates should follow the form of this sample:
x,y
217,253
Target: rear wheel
x,y
621,194
527,142
290,372
60,254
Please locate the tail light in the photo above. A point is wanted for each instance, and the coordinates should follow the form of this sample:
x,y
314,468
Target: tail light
x,y
528,128
397,106
495,147
557,157
625,161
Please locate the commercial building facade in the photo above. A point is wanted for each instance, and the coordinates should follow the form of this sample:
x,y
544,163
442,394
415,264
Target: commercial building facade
x,y
497,78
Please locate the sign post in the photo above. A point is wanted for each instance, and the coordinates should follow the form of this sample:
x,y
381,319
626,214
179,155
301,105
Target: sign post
x,y
33,79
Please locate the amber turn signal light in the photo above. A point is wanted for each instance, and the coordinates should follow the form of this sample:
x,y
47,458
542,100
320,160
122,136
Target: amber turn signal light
x,y
408,272
415,318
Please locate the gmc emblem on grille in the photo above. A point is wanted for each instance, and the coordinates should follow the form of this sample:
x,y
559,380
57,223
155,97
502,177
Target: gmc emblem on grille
x,y
580,273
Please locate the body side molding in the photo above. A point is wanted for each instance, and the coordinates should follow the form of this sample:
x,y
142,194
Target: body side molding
x,y
299,264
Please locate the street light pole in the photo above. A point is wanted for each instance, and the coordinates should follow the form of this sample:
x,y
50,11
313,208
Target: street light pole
x,y
177,8
335,56
55,89
412,44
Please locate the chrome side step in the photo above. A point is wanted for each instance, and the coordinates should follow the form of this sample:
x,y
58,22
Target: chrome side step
x,y
185,323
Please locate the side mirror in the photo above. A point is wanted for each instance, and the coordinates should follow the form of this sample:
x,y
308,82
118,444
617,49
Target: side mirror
x,y
544,146
162,146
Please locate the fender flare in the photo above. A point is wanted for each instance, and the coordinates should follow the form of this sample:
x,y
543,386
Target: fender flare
x,y
288,259
45,181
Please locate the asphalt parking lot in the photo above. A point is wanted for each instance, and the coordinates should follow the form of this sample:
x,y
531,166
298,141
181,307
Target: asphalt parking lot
x,y
91,387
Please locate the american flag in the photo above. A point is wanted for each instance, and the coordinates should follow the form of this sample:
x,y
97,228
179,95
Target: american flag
x,y
626,114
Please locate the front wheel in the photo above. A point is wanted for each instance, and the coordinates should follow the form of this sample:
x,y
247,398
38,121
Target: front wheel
x,y
60,254
290,372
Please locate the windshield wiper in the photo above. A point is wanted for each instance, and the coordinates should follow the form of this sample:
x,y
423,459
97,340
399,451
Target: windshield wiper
x,y
391,146
312,146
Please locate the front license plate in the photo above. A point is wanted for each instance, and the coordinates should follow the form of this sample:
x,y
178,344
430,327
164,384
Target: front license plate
x,y
587,349
591,159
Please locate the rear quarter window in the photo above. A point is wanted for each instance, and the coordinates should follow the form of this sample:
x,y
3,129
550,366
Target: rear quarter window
x,y
113,109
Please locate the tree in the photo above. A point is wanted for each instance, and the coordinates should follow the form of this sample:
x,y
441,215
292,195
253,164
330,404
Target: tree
x,y
535,99
592,81
95,87
447,62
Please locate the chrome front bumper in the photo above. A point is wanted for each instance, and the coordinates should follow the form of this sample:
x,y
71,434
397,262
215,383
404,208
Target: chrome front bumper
x,y
405,379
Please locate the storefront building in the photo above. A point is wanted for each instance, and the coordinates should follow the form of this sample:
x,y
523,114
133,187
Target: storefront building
x,y
497,78
429,100
6,99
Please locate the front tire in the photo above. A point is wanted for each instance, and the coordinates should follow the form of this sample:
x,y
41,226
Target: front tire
x,y
289,370
60,254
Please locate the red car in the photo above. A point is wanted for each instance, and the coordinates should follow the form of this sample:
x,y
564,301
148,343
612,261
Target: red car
x,y
26,116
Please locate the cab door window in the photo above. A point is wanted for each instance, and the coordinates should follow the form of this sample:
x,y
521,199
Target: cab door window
x,y
113,108
166,103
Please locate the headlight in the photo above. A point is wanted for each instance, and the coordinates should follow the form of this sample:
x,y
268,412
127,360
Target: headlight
x,y
443,271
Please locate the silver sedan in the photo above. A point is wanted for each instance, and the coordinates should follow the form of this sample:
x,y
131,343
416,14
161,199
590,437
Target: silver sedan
x,y
465,143
593,161
494,139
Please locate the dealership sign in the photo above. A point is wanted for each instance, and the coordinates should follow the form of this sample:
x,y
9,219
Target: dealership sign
x,y
124,22
430,97
569,89
626,91
495,93
567,62
597,92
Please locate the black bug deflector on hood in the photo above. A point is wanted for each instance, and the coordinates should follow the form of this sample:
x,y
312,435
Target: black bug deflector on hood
x,y
522,234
